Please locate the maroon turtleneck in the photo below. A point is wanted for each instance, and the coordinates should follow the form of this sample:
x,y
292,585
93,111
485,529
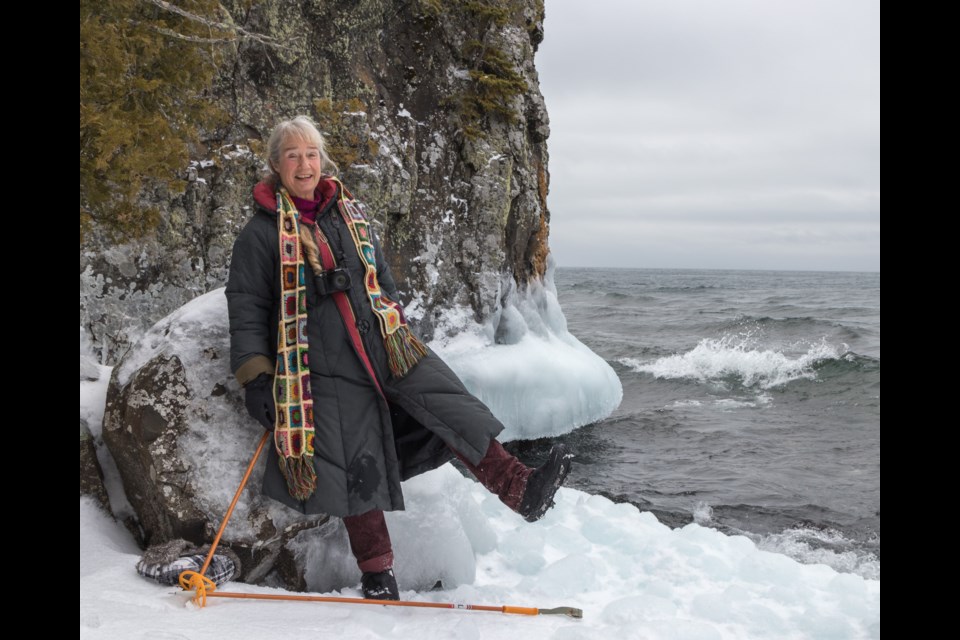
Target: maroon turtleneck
x,y
308,208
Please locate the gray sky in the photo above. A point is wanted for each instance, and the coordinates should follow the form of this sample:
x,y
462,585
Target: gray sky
x,y
728,134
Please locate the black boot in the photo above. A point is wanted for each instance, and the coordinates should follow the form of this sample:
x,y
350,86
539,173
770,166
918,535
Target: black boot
x,y
380,586
543,483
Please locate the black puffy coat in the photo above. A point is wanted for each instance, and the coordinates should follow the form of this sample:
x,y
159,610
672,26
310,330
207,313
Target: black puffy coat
x,y
364,445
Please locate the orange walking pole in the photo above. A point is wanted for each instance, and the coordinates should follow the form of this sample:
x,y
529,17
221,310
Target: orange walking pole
x,y
573,612
191,580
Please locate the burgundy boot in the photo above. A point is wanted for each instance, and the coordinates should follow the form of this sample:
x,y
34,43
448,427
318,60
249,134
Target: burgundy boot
x,y
543,483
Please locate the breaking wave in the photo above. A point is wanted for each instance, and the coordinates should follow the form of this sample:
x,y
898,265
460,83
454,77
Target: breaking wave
x,y
738,357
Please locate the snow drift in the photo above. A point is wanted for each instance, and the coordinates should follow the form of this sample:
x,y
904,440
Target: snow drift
x,y
632,576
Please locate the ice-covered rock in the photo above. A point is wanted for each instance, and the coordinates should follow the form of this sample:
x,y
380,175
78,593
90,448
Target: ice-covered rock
x,y
535,376
175,426
401,93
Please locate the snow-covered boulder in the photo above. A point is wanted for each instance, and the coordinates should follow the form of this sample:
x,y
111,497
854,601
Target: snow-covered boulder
x,y
176,427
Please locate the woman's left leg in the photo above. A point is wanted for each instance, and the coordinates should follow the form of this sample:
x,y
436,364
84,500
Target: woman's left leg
x,y
501,473
434,399
527,491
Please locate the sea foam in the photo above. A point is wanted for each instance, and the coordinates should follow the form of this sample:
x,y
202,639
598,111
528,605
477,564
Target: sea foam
x,y
738,356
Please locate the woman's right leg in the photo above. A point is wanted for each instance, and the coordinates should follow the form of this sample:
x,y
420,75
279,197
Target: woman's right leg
x,y
370,541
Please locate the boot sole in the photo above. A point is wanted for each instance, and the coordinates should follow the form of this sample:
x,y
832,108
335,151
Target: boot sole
x,y
565,463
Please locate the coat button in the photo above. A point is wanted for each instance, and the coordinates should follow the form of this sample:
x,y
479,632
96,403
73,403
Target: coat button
x,y
363,326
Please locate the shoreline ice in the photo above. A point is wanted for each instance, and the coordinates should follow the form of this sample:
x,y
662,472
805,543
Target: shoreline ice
x,y
633,577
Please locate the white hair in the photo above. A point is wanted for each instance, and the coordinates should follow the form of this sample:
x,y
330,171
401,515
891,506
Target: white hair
x,y
302,128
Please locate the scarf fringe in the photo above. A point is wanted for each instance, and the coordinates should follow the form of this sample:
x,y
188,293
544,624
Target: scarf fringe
x,y
300,476
404,350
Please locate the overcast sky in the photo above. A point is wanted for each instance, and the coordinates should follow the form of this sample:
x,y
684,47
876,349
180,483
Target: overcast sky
x,y
728,134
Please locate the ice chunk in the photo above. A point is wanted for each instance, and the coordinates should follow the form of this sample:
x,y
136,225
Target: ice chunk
x,y
536,377
430,541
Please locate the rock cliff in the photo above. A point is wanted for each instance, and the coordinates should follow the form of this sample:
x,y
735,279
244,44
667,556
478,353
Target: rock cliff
x,y
435,118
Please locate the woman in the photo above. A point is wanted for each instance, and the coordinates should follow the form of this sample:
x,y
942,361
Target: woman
x,y
355,401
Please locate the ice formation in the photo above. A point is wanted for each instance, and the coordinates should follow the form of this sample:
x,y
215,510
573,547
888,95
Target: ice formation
x,y
535,376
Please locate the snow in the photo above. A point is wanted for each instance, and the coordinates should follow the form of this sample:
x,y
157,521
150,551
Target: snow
x,y
632,576
233,151
535,376
194,325
94,380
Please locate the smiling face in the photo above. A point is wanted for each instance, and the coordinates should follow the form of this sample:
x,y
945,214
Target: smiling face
x,y
299,167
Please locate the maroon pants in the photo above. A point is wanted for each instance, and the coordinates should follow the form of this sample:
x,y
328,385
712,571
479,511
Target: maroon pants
x,y
498,471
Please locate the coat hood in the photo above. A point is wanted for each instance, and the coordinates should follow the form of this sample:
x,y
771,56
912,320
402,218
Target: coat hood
x,y
265,194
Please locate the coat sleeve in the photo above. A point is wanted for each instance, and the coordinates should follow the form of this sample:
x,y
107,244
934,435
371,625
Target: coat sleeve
x,y
251,295
384,276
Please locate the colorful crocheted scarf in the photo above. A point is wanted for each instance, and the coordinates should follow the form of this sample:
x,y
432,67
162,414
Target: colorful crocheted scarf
x,y
294,432
403,348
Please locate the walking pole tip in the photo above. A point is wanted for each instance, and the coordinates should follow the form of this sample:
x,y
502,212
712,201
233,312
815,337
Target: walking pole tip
x,y
573,612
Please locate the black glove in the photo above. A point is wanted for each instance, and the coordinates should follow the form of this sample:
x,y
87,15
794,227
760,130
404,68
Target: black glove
x,y
259,400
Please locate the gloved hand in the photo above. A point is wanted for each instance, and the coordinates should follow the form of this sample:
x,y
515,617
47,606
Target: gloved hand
x,y
259,400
